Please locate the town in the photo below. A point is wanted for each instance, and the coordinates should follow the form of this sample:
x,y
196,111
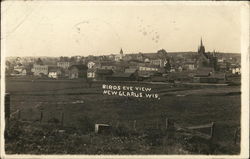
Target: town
x,y
124,103
161,66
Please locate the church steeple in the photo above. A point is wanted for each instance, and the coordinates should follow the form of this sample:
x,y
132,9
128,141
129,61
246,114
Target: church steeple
x,y
121,51
201,48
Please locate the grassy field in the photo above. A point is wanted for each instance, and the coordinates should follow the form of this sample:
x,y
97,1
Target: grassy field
x,y
184,104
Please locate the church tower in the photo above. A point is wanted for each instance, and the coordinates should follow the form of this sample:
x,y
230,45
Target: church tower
x,y
201,49
121,52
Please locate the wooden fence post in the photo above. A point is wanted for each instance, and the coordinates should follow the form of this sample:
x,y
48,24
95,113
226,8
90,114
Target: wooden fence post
x,y
212,130
167,121
41,116
134,125
157,124
62,118
19,114
236,135
117,124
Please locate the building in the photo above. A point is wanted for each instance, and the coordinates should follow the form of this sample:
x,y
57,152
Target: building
x,y
146,71
205,59
235,69
63,64
148,68
222,66
190,66
55,72
91,73
158,62
40,70
78,71
131,70
120,56
108,65
91,64
19,70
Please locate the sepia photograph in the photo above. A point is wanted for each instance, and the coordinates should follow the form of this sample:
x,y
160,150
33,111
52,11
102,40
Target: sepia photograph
x,y
124,78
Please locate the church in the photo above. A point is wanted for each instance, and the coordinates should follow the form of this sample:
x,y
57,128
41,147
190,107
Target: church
x,y
206,60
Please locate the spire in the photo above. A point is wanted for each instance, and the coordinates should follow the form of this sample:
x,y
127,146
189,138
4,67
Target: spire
x,y
121,52
201,42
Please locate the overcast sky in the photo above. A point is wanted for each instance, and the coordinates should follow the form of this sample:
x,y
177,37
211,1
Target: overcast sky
x,y
95,28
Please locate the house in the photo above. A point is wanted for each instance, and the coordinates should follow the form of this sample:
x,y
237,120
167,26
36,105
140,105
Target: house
x,y
146,71
91,64
148,68
91,73
235,69
172,69
190,66
98,74
147,60
158,62
127,57
222,66
111,57
108,65
78,71
54,72
179,68
63,64
131,70
140,57
19,70
40,70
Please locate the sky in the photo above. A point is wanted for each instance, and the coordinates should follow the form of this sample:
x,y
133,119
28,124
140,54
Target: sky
x,y
44,28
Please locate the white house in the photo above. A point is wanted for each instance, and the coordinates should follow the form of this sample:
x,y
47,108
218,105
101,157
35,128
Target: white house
x,y
236,70
54,73
19,70
91,64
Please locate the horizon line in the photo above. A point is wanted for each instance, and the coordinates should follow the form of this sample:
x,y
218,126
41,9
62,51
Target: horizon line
x,y
172,52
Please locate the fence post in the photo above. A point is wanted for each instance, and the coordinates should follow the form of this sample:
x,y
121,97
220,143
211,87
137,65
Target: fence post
x,y
167,121
62,118
41,116
19,114
236,135
212,130
134,125
117,124
157,124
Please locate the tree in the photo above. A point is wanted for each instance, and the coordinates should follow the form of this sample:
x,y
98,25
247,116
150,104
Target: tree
x,y
162,53
167,66
39,61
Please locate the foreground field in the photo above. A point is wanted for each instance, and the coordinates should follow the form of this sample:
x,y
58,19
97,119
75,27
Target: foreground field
x,y
82,107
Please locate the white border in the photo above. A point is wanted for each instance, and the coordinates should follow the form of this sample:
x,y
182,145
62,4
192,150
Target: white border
x,y
245,81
